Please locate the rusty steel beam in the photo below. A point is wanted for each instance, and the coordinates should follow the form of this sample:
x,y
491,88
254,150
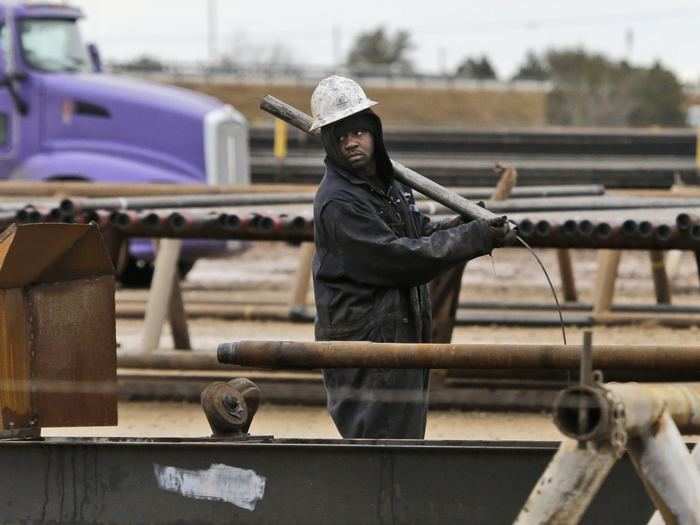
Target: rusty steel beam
x,y
361,354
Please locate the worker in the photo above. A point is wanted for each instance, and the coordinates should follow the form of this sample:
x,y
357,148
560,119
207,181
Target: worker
x,y
375,252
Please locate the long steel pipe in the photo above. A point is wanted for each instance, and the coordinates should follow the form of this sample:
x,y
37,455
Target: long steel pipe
x,y
360,354
577,203
403,174
106,189
183,201
221,198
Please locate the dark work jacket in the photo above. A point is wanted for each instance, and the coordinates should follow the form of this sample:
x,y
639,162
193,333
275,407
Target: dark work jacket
x,y
374,255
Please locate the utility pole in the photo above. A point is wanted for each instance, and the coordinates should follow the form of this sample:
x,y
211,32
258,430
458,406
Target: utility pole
x,y
629,43
442,60
211,29
336,36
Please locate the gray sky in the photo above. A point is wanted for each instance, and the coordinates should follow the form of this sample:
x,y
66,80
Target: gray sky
x,y
319,32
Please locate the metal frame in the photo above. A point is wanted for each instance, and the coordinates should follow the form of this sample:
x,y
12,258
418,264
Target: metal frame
x,y
103,480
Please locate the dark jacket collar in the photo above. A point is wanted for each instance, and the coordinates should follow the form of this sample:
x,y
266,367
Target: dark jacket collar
x,y
351,176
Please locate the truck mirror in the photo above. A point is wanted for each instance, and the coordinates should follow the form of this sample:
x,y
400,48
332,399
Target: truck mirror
x,y
95,58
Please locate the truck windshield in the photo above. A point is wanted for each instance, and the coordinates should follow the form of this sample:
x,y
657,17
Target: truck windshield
x,y
53,45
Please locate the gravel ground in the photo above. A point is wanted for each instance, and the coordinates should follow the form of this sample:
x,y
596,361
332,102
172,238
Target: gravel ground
x,y
510,276
158,419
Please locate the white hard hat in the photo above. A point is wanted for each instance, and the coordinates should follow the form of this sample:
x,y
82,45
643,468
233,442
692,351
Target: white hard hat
x,y
335,98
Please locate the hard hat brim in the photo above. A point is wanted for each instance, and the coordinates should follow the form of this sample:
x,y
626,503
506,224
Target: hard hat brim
x,y
319,123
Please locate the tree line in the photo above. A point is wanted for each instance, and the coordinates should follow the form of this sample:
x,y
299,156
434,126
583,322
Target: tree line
x,y
588,89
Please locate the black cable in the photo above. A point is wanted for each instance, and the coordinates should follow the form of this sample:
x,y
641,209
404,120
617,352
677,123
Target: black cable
x,y
549,281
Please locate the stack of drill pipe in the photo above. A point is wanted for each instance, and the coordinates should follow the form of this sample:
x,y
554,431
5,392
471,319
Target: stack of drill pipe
x,y
576,203
209,225
674,231
572,233
624,229
619,234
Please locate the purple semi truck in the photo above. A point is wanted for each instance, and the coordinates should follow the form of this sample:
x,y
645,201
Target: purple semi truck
x,y
61,118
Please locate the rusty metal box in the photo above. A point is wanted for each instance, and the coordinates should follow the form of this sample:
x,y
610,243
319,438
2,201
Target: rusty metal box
x,y
57,328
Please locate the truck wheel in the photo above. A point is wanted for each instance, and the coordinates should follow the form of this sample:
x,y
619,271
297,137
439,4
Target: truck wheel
x,y
138,273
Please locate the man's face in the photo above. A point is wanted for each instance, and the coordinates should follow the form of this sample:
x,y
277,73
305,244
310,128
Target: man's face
x,y
357,147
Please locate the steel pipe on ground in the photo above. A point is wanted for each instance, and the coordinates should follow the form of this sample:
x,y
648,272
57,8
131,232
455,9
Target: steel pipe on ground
x,y
261,312
183,201
354,354
170,360
206,360
103,189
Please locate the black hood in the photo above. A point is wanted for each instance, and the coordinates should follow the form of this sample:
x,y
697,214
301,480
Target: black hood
x,y
363,120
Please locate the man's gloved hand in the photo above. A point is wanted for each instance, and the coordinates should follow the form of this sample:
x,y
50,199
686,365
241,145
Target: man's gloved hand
x,y
501,233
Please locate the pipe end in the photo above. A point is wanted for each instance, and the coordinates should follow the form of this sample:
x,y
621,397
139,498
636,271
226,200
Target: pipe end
x,y
663,232
585,228
574,401
602,230
684,221
630,227
526,227
226,353
645,229
67,206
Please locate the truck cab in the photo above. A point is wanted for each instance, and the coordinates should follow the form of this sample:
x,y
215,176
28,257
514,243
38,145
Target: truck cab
x,y
62,118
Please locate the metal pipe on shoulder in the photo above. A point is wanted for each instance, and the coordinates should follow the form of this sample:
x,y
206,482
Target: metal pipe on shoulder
x,y
411,178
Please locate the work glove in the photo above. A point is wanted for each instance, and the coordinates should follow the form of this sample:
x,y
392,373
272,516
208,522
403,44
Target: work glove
x,y
501,232
462,219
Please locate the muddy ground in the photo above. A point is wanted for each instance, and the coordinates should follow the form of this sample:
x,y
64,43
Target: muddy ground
x,y
263,273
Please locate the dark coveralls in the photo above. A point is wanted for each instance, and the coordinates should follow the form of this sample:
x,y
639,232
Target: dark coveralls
x,y
374,255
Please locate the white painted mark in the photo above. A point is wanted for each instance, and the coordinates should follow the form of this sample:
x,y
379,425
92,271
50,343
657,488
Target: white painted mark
x,y
242,487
